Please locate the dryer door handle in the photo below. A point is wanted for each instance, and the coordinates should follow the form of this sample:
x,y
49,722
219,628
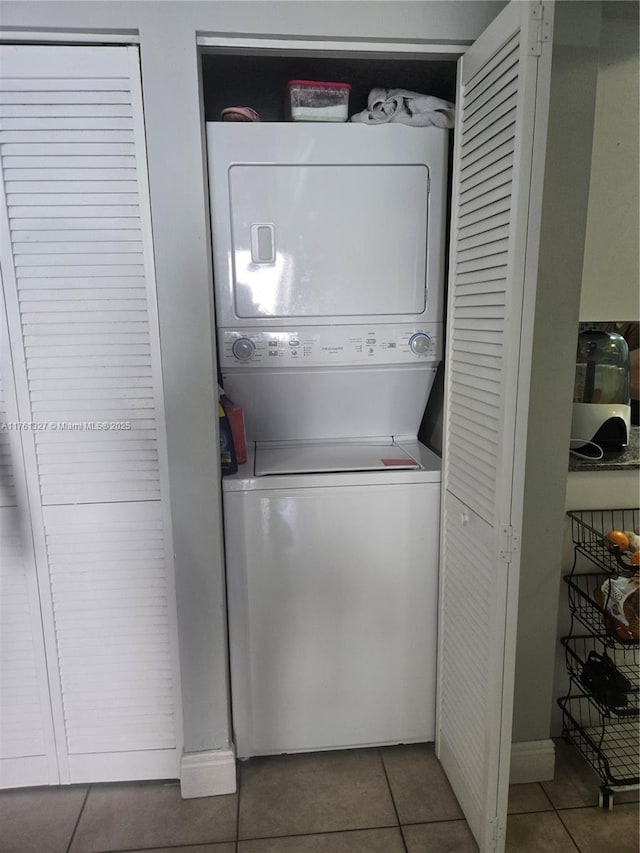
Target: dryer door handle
x,y
263,243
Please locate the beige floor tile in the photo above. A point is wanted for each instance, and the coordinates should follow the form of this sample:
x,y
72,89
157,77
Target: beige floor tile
x,y
452,836
529,797
575,783
542,832
599,831
420,789
358,841
151,814
313,793
39,820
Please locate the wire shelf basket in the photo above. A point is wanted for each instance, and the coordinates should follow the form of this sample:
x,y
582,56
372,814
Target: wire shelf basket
x,y
610,745
610,675
589,528
584,607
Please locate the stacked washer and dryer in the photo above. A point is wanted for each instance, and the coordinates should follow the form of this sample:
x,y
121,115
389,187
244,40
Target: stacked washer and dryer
x,y
328,244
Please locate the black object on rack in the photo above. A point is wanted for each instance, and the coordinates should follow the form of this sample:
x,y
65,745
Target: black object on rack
x,y
600,713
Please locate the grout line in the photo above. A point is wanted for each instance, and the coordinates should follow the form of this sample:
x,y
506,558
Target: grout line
x,y
179,846
548,798
453,819
312,833
393,801
568,831
80,813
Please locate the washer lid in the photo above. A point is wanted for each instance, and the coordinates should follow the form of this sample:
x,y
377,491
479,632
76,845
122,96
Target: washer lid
x,y
303,457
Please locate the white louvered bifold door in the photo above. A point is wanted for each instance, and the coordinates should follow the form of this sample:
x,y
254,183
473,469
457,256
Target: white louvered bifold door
x,y
500,103
78,272
27,744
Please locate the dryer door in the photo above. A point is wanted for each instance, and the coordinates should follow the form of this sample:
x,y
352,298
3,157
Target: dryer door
x,y
315,240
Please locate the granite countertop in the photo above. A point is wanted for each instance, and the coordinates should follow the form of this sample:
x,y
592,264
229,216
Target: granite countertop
x,y
613,460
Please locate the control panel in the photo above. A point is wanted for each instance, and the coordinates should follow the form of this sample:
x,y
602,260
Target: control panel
x,y
321,346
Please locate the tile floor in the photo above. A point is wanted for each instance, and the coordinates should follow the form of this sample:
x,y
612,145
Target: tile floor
x,y
392,800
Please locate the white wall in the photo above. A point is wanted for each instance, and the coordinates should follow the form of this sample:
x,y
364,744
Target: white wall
x,y
174,126
610,281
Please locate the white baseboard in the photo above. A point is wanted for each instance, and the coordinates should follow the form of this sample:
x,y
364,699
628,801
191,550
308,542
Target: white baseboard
x,y
208,774
532,761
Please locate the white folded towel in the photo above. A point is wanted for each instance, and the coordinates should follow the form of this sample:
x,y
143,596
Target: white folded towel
x,y
401,105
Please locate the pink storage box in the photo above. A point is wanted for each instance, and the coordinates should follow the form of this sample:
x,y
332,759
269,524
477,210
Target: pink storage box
x,y
313,100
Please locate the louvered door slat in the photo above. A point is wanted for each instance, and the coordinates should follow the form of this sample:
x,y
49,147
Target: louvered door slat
x,y
65,162
87,184
79,254
26,110
58,173
86,99
61,86
76,140
49,227
59,121
35,149
54,237
74,250
23,215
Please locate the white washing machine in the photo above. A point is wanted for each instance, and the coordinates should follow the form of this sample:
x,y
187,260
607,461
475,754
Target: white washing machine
x,y
332,595
328,265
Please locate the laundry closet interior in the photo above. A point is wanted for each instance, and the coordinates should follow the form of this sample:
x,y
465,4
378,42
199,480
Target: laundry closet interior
x,y
331,526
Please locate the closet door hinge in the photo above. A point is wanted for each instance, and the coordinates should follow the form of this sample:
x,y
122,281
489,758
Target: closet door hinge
x,y
509,542
539,31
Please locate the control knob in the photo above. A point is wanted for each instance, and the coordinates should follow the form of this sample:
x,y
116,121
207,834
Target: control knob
x,y
420,343
243,349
